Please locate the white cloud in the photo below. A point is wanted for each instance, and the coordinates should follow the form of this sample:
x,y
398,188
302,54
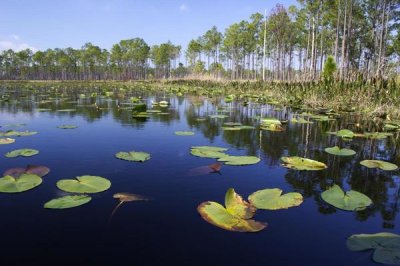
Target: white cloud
x,y
14,42
183,8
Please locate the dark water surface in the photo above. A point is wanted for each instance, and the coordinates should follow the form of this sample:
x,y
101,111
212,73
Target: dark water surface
x,y
167,229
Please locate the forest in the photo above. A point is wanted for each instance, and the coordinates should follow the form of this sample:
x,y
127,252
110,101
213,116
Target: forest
x,y
340,39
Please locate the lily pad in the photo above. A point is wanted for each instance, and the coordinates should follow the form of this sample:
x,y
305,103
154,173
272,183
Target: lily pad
x,y
349,201
135,156
6,141
386,246
272,127
340,152
39,170
11,133
379,164
84,184
10,184
239,160
184,133
300,163
21,152
67,126
67,202
216,214
345,133
235,205
208,151
272,199
270,121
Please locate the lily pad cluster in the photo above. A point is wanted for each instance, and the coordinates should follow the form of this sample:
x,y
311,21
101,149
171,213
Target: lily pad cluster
x,y
219,153
237,214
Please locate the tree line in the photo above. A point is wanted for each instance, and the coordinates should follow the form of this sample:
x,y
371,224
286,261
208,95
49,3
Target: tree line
x,y
360,36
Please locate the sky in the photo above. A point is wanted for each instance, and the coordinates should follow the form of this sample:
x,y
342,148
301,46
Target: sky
x,y
43,24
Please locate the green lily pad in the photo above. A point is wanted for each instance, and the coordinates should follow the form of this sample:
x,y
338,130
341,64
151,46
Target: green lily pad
x,y
135,156
232,124
272,199
239,160
300,163
84,184
386,246
379,164
272,127
345,133
231,128
349,201
208,151
24,182
6,141
184,133
67,126
270,121
11,133
66,110
21,152
216,214
67,202
235,205
340,152
301,120
377,135
218,116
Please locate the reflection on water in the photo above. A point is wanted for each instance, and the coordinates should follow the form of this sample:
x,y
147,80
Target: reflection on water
x,y
193,113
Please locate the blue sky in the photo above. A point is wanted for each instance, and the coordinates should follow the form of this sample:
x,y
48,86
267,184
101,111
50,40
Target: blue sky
x,y
42,24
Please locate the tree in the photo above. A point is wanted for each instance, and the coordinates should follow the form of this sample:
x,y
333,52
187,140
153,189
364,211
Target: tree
x,y
329,68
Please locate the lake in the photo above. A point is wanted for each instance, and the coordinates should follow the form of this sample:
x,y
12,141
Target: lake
x,y
167,229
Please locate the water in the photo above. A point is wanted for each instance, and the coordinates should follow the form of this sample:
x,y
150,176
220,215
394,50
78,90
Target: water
x,y
167,229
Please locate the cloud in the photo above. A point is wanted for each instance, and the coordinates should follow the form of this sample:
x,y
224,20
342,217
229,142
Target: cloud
x,y
183,8
14,42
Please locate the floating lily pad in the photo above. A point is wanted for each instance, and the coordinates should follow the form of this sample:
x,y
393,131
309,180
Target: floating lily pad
x,y
386,246
21,152
218,116
66,110
208,151
301,120
349,201
39,170
379,164
300,163
184,133
67,202
231,128
10,184
216,214
272,199
239,160
272,127
67,126
235,205
376,135
11,133
345,133
135,156
6,141
340,152
84,184
270,121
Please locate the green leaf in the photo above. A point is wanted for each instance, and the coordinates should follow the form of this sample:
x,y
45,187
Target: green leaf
x,y
135,156
24,182
379,164
272,199
6,141
349,201
270,121
84,184
21,152
184,133
239,160
340,152
271,127
300,163
236,206
67,126
345,133
386,246
11,133
208,151
216,214
67,202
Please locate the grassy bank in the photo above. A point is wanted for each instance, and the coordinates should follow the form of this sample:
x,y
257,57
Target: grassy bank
x,y
376,98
